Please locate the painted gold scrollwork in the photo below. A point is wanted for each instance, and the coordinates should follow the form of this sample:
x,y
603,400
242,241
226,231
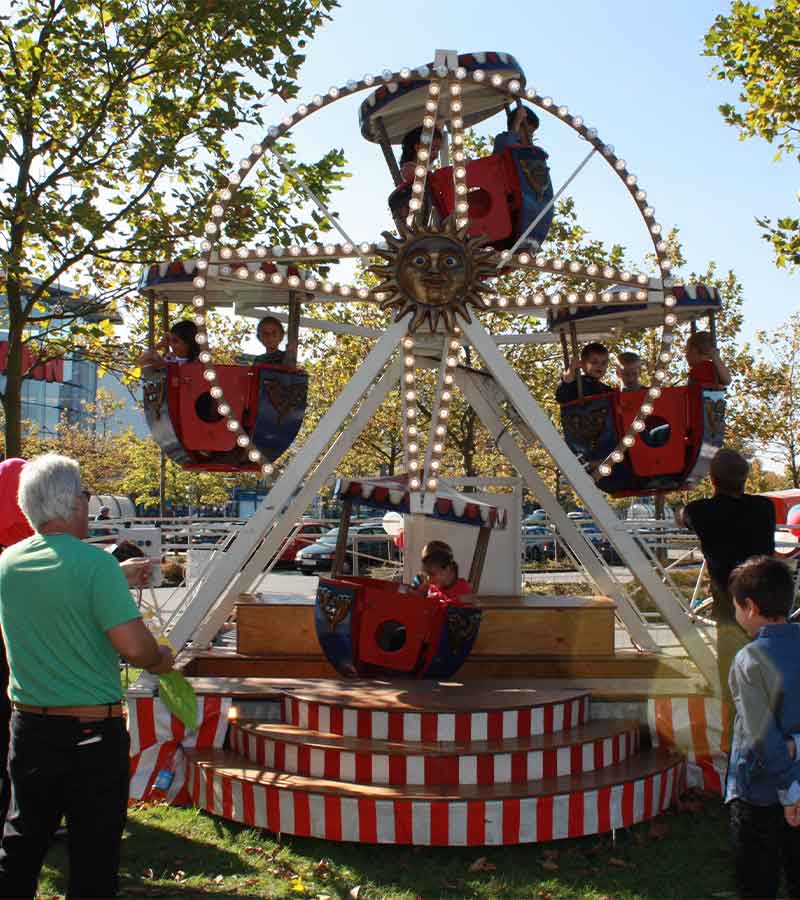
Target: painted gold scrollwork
x,y
286,398
462,627
334,606
585,426
715,416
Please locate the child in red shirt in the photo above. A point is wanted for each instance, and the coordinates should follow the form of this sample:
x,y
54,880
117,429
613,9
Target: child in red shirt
x,y
441,570
706,367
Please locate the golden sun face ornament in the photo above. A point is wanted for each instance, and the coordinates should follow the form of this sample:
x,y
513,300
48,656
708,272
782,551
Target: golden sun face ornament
x,y
434,273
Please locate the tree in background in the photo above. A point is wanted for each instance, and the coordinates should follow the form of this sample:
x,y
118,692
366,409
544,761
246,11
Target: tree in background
x,y
770,400
759,51
112,125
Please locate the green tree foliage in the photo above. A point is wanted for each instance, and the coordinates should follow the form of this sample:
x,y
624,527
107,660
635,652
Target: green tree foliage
x,y
759,51
113,119
770,397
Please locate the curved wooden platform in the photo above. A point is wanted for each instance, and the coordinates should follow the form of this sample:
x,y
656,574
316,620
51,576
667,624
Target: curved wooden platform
x,y
434,763
302,751
569,806
436,711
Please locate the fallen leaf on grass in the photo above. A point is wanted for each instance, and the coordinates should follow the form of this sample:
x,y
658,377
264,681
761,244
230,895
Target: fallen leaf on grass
x,y
549,866
323,897
544,895
179,876
298,886
219,879
354,892
594,850
254,851
482,864
322,867
148,873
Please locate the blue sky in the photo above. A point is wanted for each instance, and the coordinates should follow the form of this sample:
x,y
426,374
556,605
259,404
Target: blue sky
x,y
634,70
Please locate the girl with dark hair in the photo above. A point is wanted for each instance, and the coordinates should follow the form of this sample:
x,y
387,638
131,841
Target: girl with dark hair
x,y
441,570
181,342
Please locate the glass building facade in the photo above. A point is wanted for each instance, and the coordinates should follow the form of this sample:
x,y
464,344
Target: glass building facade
x,y
44,403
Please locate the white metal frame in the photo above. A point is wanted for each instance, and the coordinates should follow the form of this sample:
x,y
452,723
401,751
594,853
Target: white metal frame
x,y
207,607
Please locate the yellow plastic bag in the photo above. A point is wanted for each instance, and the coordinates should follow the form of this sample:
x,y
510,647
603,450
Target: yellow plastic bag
x,y
179,697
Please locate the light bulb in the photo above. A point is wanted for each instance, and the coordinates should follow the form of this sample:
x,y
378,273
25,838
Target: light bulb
x,y
233,425
223,409
604,469
628,440
216,392
210,375
254,455
243,440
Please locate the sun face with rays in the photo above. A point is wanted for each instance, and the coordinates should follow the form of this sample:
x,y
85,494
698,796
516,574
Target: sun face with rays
x,y
434,273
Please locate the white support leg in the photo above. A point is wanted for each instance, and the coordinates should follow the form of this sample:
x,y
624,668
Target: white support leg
x,y
489,413
544,430
255,566
251,535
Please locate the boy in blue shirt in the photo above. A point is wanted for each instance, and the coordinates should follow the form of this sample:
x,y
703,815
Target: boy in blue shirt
x,y
763,781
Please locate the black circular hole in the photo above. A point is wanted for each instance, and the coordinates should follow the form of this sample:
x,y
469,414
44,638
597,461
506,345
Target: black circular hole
x,y
206,408
391,636
656,431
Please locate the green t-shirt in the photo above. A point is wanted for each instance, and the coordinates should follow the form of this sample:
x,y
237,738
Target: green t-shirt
x,y
58,598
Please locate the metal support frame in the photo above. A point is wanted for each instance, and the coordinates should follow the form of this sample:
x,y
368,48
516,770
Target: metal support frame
x,y
537,420
485,403
275,503
252,572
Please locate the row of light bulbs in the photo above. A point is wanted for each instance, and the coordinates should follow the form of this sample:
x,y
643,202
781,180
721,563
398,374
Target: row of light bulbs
x,y
424,152
310,283
411,435
410,415
573,267
299,250
499,83
460,189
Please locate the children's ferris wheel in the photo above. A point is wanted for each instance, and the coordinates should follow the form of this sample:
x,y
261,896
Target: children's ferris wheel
x,y
465,228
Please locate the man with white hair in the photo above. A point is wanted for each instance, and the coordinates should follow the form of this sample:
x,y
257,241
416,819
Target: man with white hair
x,y
67,616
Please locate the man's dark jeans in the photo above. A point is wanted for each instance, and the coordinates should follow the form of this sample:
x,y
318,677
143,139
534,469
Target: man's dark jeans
x,y
58,767
764,846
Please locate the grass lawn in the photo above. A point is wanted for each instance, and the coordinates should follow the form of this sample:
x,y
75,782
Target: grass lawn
x,y
184,853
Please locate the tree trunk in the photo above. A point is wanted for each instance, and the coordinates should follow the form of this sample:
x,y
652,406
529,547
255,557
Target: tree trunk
x,y
12,396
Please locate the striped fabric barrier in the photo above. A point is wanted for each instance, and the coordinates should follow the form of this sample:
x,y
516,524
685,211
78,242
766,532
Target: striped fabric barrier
x,y
436,726
458,767
158,739
435,822
693,725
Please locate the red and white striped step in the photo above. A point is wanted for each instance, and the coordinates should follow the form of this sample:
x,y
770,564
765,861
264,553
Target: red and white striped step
x,y
302,751
632,791
413,711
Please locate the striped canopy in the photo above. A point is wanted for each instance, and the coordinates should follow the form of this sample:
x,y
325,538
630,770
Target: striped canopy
x,y
392,494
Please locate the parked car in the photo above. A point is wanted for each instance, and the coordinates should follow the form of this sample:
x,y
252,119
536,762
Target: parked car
x,y
306,532
538,543
601,543
319,556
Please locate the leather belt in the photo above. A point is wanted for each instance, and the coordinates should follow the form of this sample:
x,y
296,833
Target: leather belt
x,y
88,713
